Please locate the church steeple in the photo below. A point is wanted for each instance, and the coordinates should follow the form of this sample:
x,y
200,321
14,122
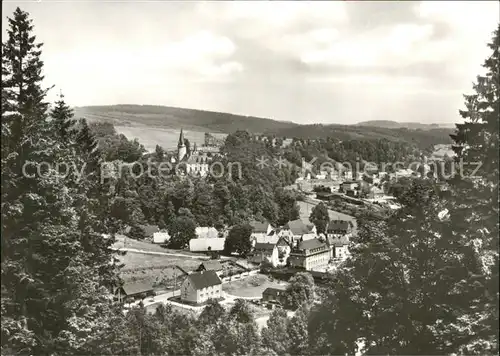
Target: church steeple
x,y
181,147
181,140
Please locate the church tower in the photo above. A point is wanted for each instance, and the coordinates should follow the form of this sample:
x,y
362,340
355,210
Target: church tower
x,y
181,148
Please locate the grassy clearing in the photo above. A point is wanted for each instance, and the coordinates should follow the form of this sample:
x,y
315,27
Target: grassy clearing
x,y
166,138
252,286
162,270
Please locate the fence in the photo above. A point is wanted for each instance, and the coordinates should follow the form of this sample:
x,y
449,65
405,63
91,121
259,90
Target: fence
x,y
138,269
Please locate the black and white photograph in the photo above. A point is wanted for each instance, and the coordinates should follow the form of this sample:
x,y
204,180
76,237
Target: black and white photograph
x,y
261,178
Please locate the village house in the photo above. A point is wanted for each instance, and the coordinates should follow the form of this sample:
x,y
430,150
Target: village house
x,y
260,229
161,237
201,286
263,253
215,266
339,247
338,228
205,232
272,238
134,290
274,254
310,255
296,230
207,244
274,294
349,185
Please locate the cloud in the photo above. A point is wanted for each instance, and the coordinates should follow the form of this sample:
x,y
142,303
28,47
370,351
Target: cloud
x,y
297,61
200,56
400,45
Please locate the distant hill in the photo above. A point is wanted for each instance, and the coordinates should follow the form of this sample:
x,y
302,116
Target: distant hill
x,y
422,138
398,125
176,118
145,121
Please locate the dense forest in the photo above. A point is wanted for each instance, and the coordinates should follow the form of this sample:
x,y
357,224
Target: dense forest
x,y
423,281
423,139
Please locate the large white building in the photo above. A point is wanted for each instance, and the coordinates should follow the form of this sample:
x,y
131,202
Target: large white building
x,y
201,286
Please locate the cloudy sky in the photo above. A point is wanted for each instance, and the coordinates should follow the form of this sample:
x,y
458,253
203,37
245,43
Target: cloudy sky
x,y
328,62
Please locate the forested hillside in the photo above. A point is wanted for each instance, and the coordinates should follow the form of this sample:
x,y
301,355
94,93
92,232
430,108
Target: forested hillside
x,y
409,125
424,139
198,120
177,118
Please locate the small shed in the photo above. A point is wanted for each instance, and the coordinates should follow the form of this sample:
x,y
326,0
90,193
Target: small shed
x,y
134,290
161,237
274,294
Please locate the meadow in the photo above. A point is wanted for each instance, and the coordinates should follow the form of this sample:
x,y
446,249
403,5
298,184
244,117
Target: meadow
x,y
166,138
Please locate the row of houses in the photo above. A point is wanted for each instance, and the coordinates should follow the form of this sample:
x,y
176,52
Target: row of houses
x,y
163,237
298,245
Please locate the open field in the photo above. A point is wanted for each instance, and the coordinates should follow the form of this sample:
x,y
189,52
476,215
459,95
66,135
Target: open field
x,y
166,138
252,286
133,260
161,270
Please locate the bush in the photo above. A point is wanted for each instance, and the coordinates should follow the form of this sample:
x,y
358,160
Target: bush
x,y
137,233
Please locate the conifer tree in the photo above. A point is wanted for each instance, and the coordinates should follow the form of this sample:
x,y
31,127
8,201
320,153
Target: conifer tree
x,y
408,290
63,122
54,258
474,202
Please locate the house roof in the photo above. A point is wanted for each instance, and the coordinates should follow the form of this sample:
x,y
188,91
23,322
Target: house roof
x,y
211,265
264,246
297,227
258,226
205,232
338,225
310,244
304,237
137,287
274,290
211,244
268,239
204,279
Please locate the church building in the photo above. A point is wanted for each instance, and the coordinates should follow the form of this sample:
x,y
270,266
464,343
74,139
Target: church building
x,y
193,162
